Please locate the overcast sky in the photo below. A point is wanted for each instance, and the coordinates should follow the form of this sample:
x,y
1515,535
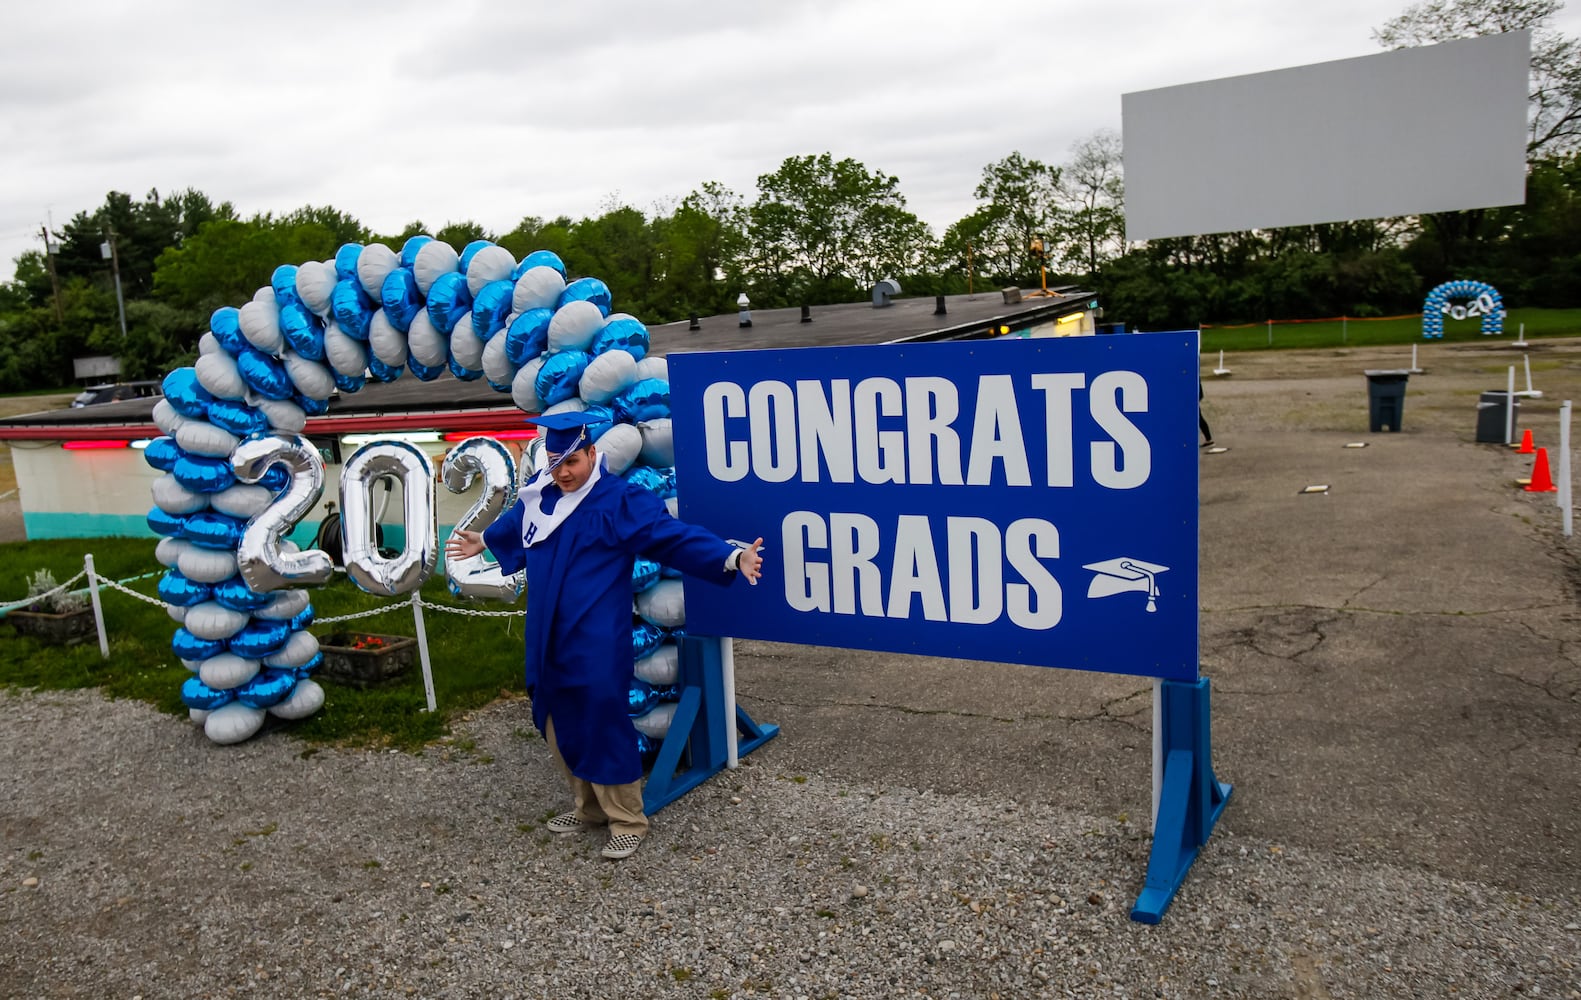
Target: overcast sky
x,y
492,111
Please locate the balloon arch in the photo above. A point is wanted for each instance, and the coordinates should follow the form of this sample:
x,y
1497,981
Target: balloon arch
x,y
1462,300
238,474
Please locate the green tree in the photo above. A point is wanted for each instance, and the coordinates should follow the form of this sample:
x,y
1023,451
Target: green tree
x,y
227,260
1093,187
1022,200
142,231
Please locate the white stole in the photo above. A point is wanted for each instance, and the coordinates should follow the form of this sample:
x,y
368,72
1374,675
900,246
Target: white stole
x,y
536,525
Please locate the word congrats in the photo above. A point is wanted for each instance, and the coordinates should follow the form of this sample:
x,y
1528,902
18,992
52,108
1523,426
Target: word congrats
x,y
1028,501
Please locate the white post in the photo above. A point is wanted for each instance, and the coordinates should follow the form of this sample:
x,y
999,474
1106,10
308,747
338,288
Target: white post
x,y
1344,331
98,609
422,649
1158,748
1509,408
727,663
1527,360
1270,333
1413,359
1564,467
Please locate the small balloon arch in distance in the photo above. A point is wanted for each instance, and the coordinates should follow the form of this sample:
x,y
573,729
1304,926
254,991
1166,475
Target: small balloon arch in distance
x,y
1463,300
238,475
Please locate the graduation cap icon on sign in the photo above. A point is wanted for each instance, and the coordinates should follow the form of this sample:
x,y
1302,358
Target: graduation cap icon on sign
x,y
1123,576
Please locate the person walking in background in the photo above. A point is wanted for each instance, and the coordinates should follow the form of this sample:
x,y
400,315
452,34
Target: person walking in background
x,y
1202,421
576,529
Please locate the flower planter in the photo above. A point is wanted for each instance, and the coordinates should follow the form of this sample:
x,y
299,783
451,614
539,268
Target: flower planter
x,y
363,659
57,630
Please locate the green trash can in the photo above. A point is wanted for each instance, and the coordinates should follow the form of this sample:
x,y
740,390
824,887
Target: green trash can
x,y
1386,397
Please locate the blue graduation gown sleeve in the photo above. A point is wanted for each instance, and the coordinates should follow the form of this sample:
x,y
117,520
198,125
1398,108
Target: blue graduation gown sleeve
x,y
504,539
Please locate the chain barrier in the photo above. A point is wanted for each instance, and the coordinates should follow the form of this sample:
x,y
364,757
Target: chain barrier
x,y
129,592
35,598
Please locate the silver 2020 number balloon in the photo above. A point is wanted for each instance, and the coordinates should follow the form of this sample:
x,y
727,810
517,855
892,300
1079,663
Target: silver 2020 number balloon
x,y
481,456
406,571
259,557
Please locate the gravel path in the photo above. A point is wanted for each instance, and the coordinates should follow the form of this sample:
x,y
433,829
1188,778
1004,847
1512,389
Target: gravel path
x,y
138,862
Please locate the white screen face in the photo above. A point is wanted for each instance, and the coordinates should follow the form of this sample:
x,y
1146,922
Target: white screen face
x,y
1433,129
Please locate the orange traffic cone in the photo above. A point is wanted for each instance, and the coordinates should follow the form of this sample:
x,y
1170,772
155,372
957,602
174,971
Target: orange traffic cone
x,y
1526,443
1541,482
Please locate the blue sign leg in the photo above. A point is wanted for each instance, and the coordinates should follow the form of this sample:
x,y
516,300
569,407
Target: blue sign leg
x,y
1190,799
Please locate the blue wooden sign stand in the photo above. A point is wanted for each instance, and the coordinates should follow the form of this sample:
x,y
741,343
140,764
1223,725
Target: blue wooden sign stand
x,y
697,746
1190,797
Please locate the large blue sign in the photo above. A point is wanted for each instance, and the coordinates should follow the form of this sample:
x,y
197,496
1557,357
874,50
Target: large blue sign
x,y
1022,501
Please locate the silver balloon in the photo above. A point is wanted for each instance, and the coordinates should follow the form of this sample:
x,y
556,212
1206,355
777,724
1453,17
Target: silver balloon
x,y
406,464
475,576
263,563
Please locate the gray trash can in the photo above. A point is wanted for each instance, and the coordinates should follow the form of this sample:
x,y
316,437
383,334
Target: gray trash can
x,y
1491,416
1386,397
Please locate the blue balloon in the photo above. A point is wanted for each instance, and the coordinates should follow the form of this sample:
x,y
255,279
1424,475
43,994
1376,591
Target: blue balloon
x,y
351,307
464,374
201,474
275,479
259,638
647,749
647,399
645,638
346,261
161,523
601,418
196,694
283,281
640,698
237,418
310,406
174,588
302,331
234,593
557,379
212,530
470,250
448,301
587,290
499,386
349,383
226,326
183,391
490,308
646,477
264,375
187,646
425,373
302,620
382,372
670,692
623,333
527,337
400,298
644,574
539,258
267,688
306,669
411,248
162,453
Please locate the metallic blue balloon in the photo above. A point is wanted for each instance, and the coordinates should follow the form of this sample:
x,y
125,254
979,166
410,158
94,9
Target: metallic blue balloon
x,y
622,333
647,399
448,301
174,588
382,372
162,453
640,698
644,574
400,298
234,593
210,530
302,620
349,383
198,695
283,281
306,669
601,418
258,638
187,646
527,337
539,258
182,391
226,326
161,523
351,307
647,749
470,250
237,418
426,373
464,374
670,692
490,308
646,477
645,638
346,261
264,375
587,290
267,688
557,379
411,248
276,479
302,330
204,475
310,406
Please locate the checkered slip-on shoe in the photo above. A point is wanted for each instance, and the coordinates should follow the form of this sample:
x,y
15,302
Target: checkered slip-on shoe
x,y
621,846
566,823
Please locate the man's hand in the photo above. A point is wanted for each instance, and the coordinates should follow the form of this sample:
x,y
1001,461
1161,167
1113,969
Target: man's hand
x,y
750,563
464,544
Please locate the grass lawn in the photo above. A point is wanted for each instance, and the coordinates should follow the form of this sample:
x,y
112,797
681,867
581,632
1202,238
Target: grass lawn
x,y
1367,332
475,660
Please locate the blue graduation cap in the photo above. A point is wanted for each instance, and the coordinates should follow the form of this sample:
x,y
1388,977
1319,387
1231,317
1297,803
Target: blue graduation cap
x,y
565,432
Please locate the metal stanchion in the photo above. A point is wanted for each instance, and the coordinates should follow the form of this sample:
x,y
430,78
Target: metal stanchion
x,y
422,649
98,609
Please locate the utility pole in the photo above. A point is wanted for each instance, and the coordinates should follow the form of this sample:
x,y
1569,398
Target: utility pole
x,y
108,249
50,249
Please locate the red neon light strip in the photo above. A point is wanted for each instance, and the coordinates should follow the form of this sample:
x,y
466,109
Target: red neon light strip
x,y
510,435
94,445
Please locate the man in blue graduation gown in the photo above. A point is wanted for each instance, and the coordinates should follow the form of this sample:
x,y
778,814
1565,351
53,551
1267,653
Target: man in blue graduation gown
x,y
576,529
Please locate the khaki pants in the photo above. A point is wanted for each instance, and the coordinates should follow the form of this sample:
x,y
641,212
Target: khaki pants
x,y
618,805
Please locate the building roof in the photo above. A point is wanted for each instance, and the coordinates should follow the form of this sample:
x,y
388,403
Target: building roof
x,y
409,403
